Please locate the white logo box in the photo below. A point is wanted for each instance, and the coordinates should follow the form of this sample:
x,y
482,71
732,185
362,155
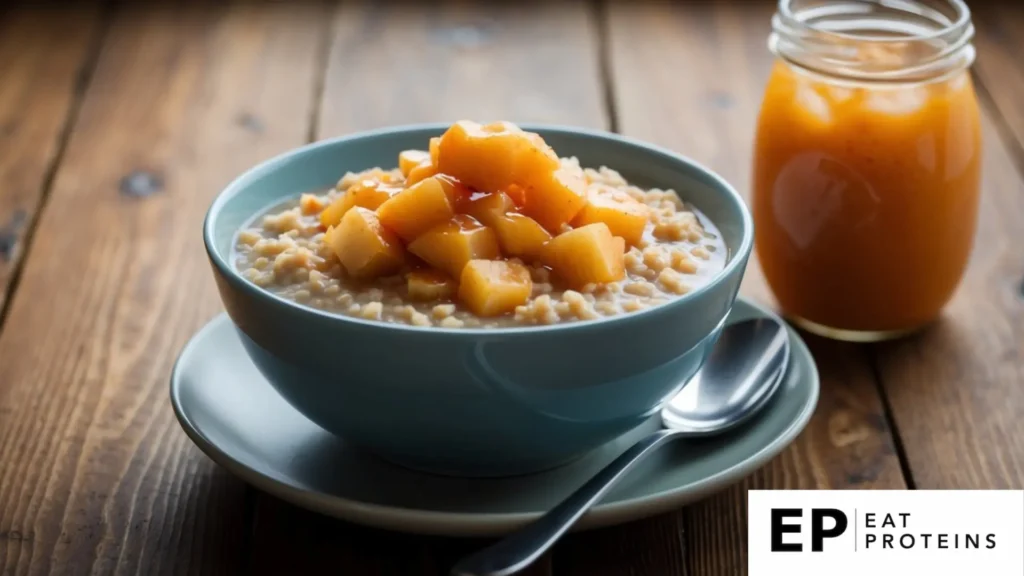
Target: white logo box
x,y
904,532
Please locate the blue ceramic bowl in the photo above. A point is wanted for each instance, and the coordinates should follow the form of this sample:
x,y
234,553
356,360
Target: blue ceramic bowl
x,y
483,402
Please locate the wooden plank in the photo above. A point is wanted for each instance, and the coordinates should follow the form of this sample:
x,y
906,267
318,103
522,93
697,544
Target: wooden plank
x,y
443,61
652,546
690,77
999,40
44,56
289,540
433,62
95,474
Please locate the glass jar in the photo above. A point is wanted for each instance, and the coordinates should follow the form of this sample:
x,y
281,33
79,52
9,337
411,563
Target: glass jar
x,y
867,163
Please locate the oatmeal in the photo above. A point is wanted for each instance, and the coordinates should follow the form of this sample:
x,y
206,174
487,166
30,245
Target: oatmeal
x,y
488,228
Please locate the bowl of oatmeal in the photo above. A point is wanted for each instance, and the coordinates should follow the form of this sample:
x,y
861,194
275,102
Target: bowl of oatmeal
x,y
478,299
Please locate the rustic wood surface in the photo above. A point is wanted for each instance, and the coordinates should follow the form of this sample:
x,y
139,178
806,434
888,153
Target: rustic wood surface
x,y
45,62
96,477
119,123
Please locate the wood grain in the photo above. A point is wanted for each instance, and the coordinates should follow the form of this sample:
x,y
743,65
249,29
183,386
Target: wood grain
x,y
529,61
44,57
96,477
652,546
999,40
690,77
438,61
289,540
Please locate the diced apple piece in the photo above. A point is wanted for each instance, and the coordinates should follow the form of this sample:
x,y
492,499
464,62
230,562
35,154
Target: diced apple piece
x,y
409,159
456,190
422,171
494,287
418,208
624,216
434,147
365,248
332,214
517,193
491,157
520,236
586,255
449,246
368,193
487,207
429,285
556,199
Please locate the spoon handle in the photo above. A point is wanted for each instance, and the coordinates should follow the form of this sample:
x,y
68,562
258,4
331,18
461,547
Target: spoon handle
x,y
521,548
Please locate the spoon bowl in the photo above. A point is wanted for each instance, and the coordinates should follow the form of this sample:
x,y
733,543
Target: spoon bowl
x,y
729,389
739,377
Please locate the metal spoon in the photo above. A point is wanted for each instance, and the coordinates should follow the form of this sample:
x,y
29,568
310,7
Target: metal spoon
x,y
742,373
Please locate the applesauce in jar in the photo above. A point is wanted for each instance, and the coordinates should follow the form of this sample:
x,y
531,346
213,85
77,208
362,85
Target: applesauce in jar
x,y
867,164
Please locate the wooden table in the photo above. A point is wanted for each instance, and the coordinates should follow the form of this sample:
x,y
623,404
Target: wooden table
x,y
118,125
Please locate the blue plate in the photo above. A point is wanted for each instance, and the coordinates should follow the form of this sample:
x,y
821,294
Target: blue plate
x,y
233,414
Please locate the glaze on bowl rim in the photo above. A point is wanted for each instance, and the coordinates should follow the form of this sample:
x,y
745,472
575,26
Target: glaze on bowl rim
x,y
238,185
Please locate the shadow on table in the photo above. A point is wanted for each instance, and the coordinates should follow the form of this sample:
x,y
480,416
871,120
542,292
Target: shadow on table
x,y
290,540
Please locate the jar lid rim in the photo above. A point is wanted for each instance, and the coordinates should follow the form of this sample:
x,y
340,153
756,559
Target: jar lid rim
x,y
962,21
814,37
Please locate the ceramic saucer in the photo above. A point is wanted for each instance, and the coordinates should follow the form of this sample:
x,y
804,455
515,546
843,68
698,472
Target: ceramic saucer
x,y
230,411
